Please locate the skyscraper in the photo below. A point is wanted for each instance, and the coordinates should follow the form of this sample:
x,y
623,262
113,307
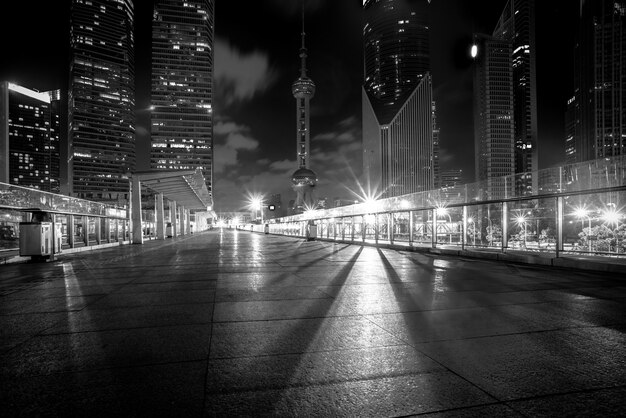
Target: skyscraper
x,y
494,129
101,98
182,86
600,125
303,89
29,141
517,25
399,154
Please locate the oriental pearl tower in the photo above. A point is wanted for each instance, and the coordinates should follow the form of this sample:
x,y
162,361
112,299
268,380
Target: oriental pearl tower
x,y
304,179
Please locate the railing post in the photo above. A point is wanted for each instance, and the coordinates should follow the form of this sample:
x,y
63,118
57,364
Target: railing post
x,y
433,233
376,229
464,232
352,218
390,227
559,226
363,228
505,225
410,228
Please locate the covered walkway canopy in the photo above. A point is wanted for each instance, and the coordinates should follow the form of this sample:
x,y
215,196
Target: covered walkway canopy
x,y
183,188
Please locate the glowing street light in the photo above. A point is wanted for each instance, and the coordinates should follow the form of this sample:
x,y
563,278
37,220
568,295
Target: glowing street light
x,y
442,211
522,221
256,204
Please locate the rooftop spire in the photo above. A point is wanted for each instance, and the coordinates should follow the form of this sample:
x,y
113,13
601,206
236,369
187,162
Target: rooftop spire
x,y
303,48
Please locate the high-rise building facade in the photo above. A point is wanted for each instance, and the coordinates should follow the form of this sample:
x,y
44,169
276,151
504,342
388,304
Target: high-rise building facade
x,y
517,25
101,98
399,153
29,139
600,76
494,129
182,86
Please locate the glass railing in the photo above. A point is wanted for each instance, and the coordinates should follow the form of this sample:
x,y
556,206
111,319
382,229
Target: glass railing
x,y
577,208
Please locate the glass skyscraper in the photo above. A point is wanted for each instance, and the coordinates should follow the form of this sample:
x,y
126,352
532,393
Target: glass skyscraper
x,y
517,25
398,109
29,137
101,113
494,129
182,86
600,91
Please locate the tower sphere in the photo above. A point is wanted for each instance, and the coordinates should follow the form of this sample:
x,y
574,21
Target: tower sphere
x,y
303,88
304,177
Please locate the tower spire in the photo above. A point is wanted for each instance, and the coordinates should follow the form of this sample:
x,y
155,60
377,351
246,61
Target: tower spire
x,y
303,54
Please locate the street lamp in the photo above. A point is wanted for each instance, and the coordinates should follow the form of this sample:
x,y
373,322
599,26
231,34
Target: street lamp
x,y
441,212
256,203
581,213
521,220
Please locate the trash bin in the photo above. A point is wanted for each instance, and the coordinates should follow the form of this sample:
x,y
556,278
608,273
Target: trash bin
x,y
311,231
267,228
40,238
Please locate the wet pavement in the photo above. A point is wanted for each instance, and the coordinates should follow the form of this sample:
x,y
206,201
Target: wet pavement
x,y
237,323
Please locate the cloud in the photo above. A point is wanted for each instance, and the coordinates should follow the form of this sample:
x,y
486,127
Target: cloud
x,y
239,76
224,128
227,150
284,165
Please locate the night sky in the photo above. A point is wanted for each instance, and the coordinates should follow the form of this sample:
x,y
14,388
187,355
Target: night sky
x,y
256,60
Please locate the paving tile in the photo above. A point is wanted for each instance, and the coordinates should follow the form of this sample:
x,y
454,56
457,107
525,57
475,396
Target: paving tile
x,y
238,339
495,411
595,403
59,292
161,390
174,297
275,309
536,364
133,317
28,324
392,396
282,371
49,354
167,286
414,327
249,294
42,305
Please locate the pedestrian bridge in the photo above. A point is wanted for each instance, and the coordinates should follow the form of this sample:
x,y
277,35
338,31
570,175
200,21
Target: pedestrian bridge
x,y
229,322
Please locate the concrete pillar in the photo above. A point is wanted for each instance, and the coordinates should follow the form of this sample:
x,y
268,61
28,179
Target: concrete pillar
x,y
182,220
160,217
70,231
173,213
188,218
85,221
135,211
107,229
98,230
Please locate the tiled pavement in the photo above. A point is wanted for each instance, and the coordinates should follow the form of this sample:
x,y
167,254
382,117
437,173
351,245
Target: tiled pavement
x,y
237,323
